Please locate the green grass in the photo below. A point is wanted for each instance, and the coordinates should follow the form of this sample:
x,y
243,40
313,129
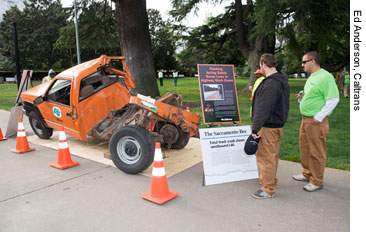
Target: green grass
x,y
338,139
8,94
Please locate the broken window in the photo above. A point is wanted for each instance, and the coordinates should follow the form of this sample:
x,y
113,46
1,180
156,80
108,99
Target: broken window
x,y
60,92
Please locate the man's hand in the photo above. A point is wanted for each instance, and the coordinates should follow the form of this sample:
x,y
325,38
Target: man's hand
x,y
314,121
299,94
255,136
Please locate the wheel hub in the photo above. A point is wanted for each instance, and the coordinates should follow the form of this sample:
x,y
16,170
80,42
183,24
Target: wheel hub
x,y
169,133
129,150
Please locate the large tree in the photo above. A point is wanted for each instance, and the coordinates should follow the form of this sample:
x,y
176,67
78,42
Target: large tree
x,y
163,47
213,42
98,32
251,47
133,27
322,26
37,26
300,25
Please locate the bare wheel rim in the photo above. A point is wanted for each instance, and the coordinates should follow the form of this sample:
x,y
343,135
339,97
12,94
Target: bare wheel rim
x,y
129,150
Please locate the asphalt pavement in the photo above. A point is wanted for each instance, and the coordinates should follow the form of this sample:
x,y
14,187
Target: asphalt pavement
x,y
96,197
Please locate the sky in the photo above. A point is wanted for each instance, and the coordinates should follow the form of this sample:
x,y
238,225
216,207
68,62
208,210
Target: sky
x,y
206,10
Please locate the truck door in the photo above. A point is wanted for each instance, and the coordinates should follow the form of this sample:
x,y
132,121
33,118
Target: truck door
x,y
57,110
98,96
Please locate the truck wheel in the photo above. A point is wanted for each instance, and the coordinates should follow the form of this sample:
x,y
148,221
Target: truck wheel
x,y
131,148
38,127
183,139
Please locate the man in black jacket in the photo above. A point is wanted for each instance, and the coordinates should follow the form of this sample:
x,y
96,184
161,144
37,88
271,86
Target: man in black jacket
x,y
269,113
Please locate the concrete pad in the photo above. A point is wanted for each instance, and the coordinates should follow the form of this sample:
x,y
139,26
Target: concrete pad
x,y
175,161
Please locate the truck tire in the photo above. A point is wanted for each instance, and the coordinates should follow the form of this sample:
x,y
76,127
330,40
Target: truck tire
x,y
38,126
183,139
131,148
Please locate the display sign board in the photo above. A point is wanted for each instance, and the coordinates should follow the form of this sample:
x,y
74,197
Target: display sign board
x,y
224,159
218,93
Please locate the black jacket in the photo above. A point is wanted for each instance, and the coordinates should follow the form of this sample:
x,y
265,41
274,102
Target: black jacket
x,y
271,103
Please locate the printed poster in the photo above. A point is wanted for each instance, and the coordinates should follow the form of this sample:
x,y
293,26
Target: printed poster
x,y
218,93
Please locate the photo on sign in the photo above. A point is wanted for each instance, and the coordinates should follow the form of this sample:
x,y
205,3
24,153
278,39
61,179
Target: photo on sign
x,y
213,92
209,112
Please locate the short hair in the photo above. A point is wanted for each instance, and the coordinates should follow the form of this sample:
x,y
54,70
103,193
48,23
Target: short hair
x,y
268,59
313,55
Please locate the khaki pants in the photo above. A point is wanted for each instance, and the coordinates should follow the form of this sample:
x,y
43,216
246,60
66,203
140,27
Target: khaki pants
x,y
346,90
313,149
267,157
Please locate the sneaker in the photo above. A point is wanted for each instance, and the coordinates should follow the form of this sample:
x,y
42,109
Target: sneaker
x,y
260,194
312,187
300,178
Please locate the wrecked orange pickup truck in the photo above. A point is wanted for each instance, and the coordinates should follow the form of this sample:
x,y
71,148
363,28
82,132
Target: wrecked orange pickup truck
x,y
98,98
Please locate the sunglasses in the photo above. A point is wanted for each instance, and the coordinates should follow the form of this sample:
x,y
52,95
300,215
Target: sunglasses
x,y
305,61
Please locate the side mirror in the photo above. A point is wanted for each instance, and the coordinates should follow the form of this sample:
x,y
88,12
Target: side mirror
x,y
38,100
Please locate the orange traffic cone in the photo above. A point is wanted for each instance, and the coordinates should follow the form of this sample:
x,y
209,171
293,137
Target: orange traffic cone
x,y
63,155
1,136
159,189
22,142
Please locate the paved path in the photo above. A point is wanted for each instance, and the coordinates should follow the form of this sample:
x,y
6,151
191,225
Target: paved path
x,y
96,197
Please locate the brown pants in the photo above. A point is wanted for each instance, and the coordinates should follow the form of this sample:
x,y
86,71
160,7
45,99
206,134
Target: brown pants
x,y
313,149
267,157
346,90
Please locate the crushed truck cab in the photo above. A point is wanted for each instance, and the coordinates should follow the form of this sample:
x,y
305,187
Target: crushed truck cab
x,y
98,98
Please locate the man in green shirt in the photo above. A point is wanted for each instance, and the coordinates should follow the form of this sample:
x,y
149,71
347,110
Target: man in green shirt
x,y
320,97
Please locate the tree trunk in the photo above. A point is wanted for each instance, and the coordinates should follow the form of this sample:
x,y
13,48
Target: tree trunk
x,y
133,27
253,62
251,49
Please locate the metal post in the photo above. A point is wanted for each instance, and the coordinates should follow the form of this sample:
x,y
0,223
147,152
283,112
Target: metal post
x,y
16,53
77,32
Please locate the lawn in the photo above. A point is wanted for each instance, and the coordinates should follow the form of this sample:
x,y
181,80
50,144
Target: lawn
x,y
338,140
8,94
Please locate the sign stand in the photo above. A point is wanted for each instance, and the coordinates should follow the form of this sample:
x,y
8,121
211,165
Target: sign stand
x,y
210,125
16,111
